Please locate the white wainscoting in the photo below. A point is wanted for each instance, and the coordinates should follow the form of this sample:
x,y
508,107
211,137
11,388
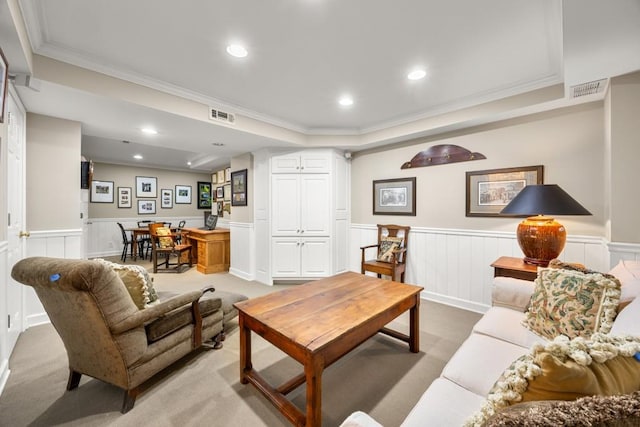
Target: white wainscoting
x,y
243,254
105,238
454,266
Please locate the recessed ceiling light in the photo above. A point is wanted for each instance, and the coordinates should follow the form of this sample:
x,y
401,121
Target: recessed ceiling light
x,y
237,50
137,156
416,74
149,131
345,101
188,163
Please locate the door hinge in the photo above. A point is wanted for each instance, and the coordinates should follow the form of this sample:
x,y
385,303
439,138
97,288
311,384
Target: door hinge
x,y
8,219
9,321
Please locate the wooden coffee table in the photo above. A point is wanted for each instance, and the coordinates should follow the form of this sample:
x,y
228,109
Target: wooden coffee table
x,y
316,324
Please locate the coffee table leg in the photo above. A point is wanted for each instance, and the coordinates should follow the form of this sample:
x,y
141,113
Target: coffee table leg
x,y
313,372
245,349
414,326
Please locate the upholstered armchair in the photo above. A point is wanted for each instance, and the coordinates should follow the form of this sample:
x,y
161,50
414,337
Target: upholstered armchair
x,y
106,335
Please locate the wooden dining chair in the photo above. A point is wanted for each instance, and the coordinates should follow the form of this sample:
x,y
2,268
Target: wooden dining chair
x,y
145,239
391,255
164,247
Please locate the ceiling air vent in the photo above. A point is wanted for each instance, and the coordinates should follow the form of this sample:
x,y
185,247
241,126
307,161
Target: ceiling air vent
x,y
589,88
223,116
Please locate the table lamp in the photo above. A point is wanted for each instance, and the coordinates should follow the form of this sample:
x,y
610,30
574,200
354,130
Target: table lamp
x,y
541,237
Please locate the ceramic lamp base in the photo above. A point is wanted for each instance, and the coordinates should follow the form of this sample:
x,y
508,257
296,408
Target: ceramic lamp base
x,y
541,239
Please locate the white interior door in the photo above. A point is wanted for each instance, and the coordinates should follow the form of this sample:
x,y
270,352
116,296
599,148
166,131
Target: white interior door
x,y
16,221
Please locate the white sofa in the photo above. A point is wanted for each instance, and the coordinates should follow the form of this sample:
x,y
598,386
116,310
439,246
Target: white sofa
x,y
496,341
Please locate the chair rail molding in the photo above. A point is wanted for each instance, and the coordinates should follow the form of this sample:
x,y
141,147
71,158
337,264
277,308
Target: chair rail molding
x,y
454,265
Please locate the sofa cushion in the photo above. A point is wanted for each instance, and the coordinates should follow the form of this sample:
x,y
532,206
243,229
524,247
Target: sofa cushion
x,y
628,273
572,303
511,293
480,354
443,404
505,324
137,281
566,370
628,320
387,246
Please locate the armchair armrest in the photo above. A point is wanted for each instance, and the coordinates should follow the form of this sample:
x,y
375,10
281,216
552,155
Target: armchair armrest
x,y
369,246
145,315
511,293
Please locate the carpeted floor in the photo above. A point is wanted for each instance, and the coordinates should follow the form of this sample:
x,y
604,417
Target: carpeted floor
x,y
381,377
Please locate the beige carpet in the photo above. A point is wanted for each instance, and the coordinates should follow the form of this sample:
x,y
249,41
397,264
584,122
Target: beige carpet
x,y
381,377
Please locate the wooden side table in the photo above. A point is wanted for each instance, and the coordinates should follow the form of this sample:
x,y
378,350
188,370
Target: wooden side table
x,y
514,267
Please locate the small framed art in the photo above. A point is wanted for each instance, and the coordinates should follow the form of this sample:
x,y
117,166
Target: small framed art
x,y
146,207
394,196
489,191
219,193
183,194
146,186
166,198
124,197
204,195
239,188
101,191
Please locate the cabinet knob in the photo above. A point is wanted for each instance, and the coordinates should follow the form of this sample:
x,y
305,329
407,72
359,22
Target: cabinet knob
x,y
302,244
301,231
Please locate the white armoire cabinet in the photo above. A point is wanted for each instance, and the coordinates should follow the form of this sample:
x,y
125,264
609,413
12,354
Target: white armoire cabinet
x,y
301,214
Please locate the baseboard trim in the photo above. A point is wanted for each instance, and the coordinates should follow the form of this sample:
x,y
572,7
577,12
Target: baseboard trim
x,y
37,319
241,274
455,302
4,375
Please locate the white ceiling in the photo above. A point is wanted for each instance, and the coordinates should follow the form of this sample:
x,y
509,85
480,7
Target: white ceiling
x,y
303,55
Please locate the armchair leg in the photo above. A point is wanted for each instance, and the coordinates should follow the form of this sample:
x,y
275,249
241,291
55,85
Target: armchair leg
x,y
74,379
215,343
129,399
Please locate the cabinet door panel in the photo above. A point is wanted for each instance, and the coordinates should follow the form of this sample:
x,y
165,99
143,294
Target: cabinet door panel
x,y
315,257
285,212
285,254
315,205
315,162
286,163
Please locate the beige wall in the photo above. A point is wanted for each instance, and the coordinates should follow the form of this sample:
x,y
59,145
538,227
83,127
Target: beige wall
x,y
125,176
52,173
568,142
624,134
243,213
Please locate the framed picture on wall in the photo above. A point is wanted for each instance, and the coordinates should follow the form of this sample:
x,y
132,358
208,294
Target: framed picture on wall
x,y
489,191
124,197
394,196
146,186
239,188
220,179
204,195
101,191
219,193
166,198
227,174
146,207
183,194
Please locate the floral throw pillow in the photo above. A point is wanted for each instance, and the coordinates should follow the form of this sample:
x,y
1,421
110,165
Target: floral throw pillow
x,y
572,303
164,242
387,246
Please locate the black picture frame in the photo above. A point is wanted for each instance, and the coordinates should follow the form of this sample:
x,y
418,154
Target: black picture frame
x,y
166,198
489,191
183,194
124,197
146,207
146,186
239,188
395,196
204,195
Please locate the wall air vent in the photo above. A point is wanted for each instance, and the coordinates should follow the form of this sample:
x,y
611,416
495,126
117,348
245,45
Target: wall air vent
x,y
222,116
589,88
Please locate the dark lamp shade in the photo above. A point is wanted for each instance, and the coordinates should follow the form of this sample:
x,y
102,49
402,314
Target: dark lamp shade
x,y
544,200
540,236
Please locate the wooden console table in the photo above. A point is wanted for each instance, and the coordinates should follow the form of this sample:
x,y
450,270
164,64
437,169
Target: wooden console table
x,y
514,267
211,249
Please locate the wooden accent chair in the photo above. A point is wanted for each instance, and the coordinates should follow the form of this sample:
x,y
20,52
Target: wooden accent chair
x,y
391,255
106,334
164,246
